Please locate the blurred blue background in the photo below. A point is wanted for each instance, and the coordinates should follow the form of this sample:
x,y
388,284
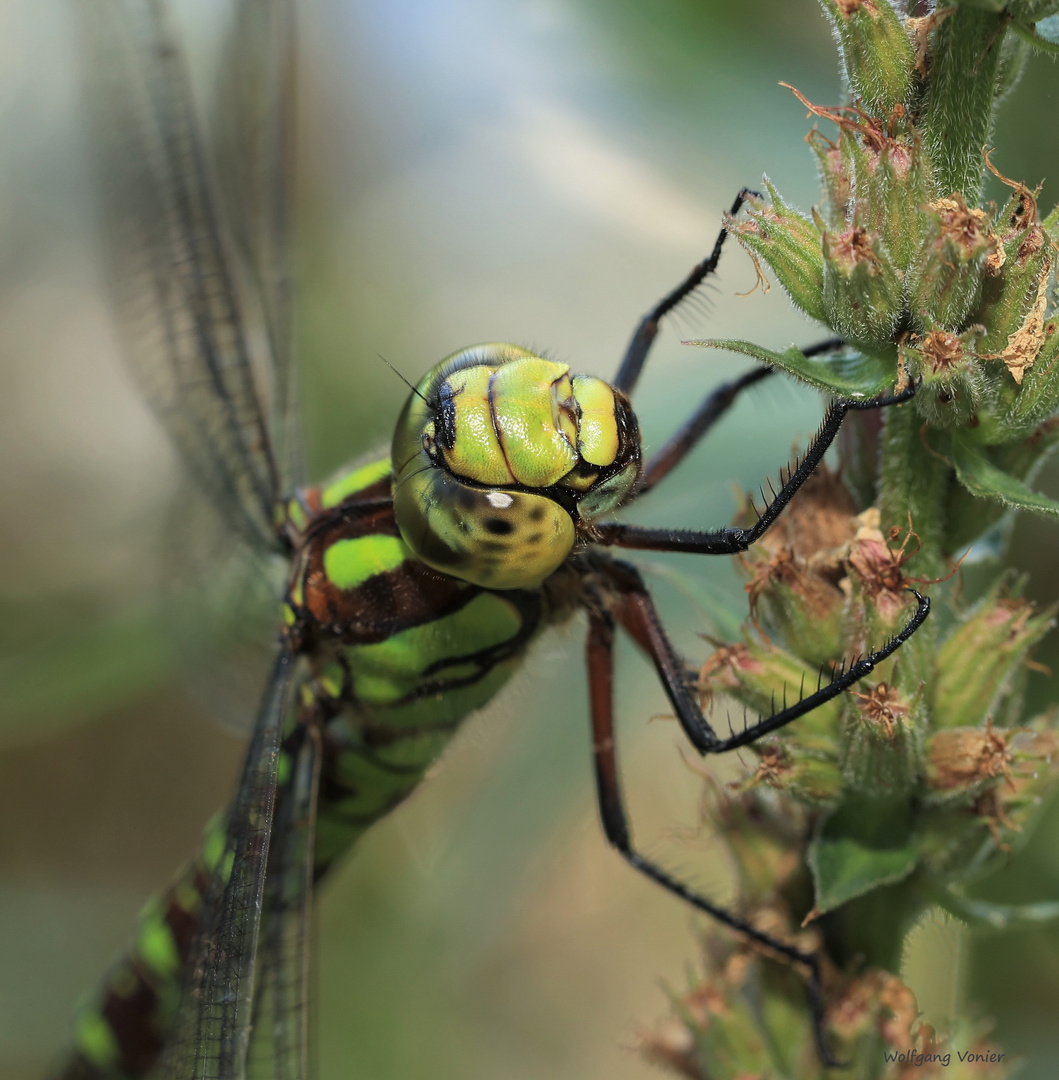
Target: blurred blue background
x,y
539,171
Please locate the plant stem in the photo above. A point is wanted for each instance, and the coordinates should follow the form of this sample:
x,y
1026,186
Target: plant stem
x,y
959,110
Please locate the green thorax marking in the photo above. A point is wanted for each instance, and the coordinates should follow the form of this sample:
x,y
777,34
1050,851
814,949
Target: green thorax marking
x,y
351,562
352,481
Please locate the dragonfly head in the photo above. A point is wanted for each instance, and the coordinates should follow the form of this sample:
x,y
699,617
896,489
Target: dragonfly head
x,y
501,457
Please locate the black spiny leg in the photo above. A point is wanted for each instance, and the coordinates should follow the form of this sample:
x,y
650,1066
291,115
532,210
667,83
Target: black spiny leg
x,y
718,401
712,408
732,540
635,610
637,613
600,656
644,335
633,607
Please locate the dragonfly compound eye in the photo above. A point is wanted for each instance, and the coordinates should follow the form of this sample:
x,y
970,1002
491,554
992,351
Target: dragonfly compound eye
x,y
499,457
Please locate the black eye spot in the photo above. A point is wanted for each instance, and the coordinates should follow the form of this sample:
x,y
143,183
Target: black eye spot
x,y
499,526
445,418
535,538
537,513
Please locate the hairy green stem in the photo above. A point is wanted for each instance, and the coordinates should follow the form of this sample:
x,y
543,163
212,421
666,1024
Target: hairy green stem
x,y
962,91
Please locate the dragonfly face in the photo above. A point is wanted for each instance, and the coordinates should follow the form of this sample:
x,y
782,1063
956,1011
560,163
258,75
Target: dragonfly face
x,y
416,583
499,459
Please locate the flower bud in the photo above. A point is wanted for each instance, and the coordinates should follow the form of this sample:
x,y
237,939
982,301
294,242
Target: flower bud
x,y
949,266
874,1004
883,710
812,780
760,834
801,607
1014,274
745,1018
717,1022
796,568
671,1044
862,287
766,679
953,385
877,54
977,663
876,573
1015,328
964,761
875,175
1032,351
889,182
984,779
1033,752
789,244
1018,331
880,754
834,176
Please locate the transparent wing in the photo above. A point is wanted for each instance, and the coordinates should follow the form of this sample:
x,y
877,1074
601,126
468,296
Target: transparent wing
x,y
279,1048
189,306
212,1031
253,149
219,598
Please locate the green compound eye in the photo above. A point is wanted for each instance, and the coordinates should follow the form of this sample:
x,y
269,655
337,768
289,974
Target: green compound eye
x,y
497,457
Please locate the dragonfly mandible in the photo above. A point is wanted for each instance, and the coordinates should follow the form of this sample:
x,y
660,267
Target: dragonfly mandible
x,y
416,582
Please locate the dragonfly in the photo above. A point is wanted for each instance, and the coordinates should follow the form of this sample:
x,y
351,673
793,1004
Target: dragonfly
x,y
415,583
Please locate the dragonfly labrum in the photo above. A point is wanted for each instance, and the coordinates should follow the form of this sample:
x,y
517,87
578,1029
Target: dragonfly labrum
x,y
416,582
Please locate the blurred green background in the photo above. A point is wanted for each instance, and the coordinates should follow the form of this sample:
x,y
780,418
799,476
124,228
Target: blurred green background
x,y
537,171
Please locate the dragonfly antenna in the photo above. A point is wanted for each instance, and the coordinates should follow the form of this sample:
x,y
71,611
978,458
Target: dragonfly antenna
x,y
414,389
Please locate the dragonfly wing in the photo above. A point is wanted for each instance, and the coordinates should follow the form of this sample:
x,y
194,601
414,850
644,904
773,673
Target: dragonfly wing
x,y
220,610
253,148
185,300
211,1035
279,1047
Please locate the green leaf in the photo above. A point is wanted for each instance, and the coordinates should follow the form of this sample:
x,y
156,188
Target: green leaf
x,y
844,374
863,845
982,478
985,915
1044,36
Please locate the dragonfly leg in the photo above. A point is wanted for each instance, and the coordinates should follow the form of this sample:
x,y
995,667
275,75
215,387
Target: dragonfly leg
x,y
712,408
600,658
717,403
639,617
645,333
730,541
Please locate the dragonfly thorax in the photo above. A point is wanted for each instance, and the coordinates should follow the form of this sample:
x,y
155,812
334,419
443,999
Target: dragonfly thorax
x,y
499,459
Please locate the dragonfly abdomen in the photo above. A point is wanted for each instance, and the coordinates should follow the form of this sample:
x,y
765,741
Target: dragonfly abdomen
x,y
121,1031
